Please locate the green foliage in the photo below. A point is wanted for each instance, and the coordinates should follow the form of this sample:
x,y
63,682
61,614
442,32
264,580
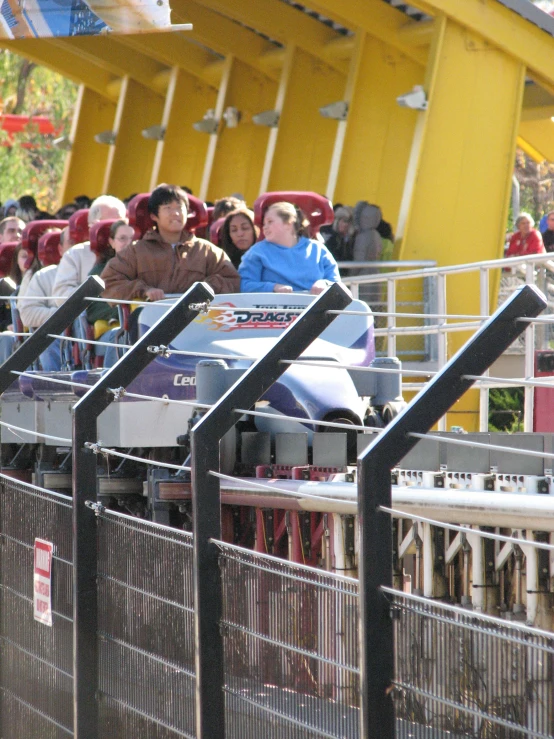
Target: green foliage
x,y
506,409
29,163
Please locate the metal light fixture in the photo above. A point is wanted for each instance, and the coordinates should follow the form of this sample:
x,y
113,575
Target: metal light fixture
x,y
63,143
416,99
105,137
269,118
337,111
155,133
208,124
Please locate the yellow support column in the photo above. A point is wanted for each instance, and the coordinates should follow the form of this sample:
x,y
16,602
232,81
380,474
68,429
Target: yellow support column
x,y
373,145
131,158
301,149
180,156
85,164
239,153
456,196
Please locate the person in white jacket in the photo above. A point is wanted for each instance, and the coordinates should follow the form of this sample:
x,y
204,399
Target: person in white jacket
x,y
38,305
77,262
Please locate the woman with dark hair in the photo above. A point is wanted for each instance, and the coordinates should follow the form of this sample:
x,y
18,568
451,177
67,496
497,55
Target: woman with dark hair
x,y
238,234
287,260
23,267
121,235
19,261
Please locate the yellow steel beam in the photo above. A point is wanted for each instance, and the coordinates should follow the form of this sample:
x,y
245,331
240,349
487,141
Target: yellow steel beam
x,y
108,54
180,156
131,159
458,182
67,63
376,18
300,150
239,156
283,23
85,164
530,150
213,138
417,33
543,112
376,143
539,135
220,33
503,28
172,49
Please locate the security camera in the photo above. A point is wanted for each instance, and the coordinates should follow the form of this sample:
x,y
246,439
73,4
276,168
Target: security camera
x,y
269,118
416,99
337,111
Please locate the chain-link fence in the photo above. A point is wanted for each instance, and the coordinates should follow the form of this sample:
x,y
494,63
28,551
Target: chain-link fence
x,y
146,629
469,674
36,672
290,639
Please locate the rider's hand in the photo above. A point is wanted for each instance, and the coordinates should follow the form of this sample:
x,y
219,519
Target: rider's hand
x,y
319,286
282,288
154,293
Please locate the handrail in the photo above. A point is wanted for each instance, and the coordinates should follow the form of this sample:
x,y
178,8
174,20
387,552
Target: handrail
x,y
400,264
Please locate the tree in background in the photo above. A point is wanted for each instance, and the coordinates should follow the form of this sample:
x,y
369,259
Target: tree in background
x,y
536,182
29,163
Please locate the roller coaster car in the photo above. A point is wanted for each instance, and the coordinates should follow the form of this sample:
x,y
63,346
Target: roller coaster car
x,y
243,327
237,329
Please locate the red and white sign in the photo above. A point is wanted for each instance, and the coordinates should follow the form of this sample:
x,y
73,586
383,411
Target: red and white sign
x,y
42,585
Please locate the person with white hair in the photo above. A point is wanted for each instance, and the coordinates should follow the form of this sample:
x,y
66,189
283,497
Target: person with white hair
x,y
526,239
77,262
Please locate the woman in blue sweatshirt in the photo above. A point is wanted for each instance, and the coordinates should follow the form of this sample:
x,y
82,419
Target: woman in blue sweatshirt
x,y
286,260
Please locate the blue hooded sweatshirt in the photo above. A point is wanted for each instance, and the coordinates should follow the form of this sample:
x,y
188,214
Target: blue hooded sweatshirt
x,y
266,264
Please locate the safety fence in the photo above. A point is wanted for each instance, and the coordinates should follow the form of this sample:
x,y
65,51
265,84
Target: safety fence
x,y
268,647
290,633
35,659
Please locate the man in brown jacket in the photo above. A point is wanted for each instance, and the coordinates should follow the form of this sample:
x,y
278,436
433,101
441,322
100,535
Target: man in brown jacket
x,y
168,259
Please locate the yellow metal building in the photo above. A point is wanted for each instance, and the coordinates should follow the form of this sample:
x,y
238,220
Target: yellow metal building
x,y
304,97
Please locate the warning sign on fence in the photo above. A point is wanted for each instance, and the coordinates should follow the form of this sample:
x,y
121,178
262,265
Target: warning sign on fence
x,y
42,585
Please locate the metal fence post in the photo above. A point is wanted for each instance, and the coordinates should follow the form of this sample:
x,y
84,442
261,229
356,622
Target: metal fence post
x,y
40,339
85,416
374,468
210,704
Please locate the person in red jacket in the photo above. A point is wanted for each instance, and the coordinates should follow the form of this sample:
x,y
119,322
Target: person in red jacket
x,y
526,240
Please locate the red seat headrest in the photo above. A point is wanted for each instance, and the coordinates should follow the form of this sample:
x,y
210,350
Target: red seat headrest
x,y
32,233
139,217
215,230
99,236
49,249
317,208
78,226
7,250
